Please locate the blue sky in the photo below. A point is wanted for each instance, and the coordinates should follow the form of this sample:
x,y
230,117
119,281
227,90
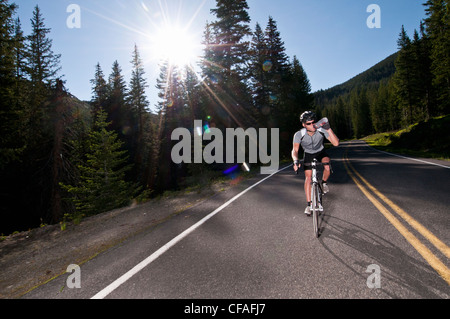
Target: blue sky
x,y
329,37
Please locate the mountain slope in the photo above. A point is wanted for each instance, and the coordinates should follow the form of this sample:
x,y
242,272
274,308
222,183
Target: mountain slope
x,y
373,76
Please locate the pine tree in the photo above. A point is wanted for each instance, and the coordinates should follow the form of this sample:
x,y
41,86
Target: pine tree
x,y
259,65
422,77
10,112
22,87
194,96
19,50
41,69
170,110
99,91
102,184
229,54
404,77
340,126
393,110
295,98
211,75
278,60
378,109
116,108
438,29
42,64
231,29
360,108
138,105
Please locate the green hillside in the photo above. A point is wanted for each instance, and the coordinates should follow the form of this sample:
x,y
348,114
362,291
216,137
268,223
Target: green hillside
x,y
381,71
425,139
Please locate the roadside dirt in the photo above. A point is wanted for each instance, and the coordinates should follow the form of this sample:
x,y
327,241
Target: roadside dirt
x,y
31,258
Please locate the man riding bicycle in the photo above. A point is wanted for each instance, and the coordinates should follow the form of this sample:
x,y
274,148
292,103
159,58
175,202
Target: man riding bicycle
x,y
312,139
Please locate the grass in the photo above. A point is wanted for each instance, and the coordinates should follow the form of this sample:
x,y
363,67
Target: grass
x,y
428,139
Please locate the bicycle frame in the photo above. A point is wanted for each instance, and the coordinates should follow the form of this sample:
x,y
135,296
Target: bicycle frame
x,y
316,197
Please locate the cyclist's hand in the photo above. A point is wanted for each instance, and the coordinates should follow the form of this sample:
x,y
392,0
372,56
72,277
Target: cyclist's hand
x,y
297,166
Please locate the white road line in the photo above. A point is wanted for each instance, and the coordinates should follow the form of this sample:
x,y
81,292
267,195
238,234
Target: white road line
x,y
105,292
408,158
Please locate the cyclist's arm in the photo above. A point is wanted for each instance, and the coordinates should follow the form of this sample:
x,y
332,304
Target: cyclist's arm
x,y
295,151
295,158
333,138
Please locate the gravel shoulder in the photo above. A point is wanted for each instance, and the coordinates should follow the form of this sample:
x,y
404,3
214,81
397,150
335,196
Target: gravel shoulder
x,y
30,259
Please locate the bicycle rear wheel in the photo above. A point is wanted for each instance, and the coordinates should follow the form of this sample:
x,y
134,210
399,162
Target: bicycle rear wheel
x,y
315,209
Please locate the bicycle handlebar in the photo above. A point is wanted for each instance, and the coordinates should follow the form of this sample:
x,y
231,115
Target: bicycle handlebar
x,y
317,163
311,164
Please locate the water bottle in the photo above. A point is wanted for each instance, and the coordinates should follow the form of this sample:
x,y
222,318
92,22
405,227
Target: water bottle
x,y
321,123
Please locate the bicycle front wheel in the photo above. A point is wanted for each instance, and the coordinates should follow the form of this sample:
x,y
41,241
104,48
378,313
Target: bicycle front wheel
x,y
315,209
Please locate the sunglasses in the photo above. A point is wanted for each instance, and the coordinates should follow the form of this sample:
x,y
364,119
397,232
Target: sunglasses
x,y
310,123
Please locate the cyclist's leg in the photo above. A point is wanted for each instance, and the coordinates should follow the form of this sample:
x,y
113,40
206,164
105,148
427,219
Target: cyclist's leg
x,y
326,169
307,160
324,158
308,180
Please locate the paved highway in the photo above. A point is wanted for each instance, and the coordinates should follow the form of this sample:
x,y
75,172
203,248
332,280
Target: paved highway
x,y
384,234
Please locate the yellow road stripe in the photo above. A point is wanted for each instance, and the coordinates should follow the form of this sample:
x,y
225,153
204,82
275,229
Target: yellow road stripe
x,y
410,220
434,262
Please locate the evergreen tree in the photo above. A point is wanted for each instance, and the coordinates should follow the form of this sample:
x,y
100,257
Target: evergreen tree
x,y
278,63
378,109
10,113
413,77
42,64
341,120
230,54
21,90
259,65
170,110
404,77
19,50
194,96
422,80
138,104
116,108
99,91
231,29
211,72
42,67
438,29
102,184
361,118
295,98
393,110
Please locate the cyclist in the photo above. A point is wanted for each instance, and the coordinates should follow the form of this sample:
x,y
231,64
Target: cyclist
x,y
312,139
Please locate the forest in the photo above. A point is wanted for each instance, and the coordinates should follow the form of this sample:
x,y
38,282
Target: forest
x,y
410,86
62,159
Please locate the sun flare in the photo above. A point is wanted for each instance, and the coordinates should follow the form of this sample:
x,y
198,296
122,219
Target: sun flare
x,y
175,45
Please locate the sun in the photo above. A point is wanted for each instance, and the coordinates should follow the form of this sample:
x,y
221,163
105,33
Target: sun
x,y
175,45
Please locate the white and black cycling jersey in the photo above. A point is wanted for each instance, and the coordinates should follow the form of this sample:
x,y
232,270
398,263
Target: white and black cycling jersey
x,y
311,144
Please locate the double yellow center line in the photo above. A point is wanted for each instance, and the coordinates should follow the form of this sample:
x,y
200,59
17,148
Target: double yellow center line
x,y
426,253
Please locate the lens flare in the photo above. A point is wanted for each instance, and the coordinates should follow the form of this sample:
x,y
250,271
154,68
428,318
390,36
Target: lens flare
x,y
267,66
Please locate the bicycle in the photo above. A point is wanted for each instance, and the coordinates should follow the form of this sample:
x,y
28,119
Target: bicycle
x,y
316,196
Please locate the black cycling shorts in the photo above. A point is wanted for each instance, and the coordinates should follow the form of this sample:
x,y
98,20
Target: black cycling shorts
x,y
309,158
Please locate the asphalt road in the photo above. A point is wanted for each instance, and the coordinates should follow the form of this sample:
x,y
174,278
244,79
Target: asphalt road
x,y
261,245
